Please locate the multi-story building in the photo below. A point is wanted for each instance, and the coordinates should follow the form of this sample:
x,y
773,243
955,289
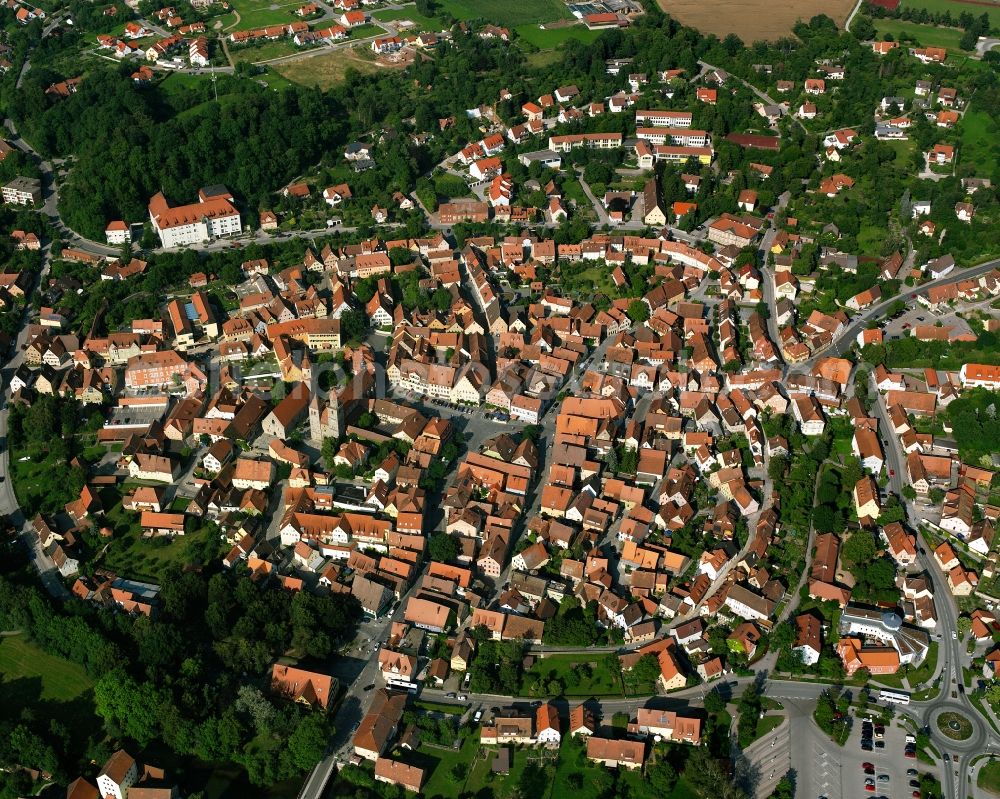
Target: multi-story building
x,y
213,216
22,191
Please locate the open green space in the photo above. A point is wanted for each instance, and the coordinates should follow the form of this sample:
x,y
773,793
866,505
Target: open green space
x,y
421,21
49,686
32,476
980,143
923,35
575,675
263,52
261,13
550,39
60,680
989,777
956,8
548,774
507,12
138,558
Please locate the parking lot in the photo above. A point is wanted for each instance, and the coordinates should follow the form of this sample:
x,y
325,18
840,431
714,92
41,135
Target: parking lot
x,y
889,762
828,771
902,326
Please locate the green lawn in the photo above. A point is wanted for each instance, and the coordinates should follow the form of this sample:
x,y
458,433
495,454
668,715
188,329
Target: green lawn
x,y
33,483
364,31
422,23
263,52
980,143
550,39
871,238
923,35
138,558
580,675
957,8
47,685
767,725
261,13
507,12
989,777
60,680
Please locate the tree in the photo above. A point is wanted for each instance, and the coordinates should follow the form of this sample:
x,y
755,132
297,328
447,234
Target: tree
x,y
443,548
662,777
714,703
307,745
131,707
638,311
859,548
353,325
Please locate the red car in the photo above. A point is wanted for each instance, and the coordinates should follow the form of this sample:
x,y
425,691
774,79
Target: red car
x,y
867,766
916,795
892,473
870,788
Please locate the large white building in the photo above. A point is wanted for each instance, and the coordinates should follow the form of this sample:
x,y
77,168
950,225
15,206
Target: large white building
x,y
887,628
212,217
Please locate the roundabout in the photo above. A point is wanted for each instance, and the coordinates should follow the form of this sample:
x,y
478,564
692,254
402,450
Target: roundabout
x,y
954,729
954,726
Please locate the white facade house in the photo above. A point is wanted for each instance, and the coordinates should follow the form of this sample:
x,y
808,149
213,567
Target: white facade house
x,y
119,774
212,217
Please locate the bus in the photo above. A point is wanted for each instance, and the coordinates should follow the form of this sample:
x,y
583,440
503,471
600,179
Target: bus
x,y
896,697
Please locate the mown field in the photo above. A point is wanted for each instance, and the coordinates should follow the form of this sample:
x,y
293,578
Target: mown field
x,y
508,12
48,685
261,13
924,35
420,22
328,69
550,39
753,20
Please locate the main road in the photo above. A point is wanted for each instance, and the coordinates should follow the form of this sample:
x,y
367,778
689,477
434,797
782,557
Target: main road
x,y
952,656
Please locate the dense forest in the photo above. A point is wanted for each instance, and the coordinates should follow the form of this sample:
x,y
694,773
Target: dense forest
x,y
195,678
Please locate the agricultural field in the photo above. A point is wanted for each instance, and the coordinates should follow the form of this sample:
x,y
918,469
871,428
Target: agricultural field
x,y
756,19
511,13
548,39
957,7
923,35
330,68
